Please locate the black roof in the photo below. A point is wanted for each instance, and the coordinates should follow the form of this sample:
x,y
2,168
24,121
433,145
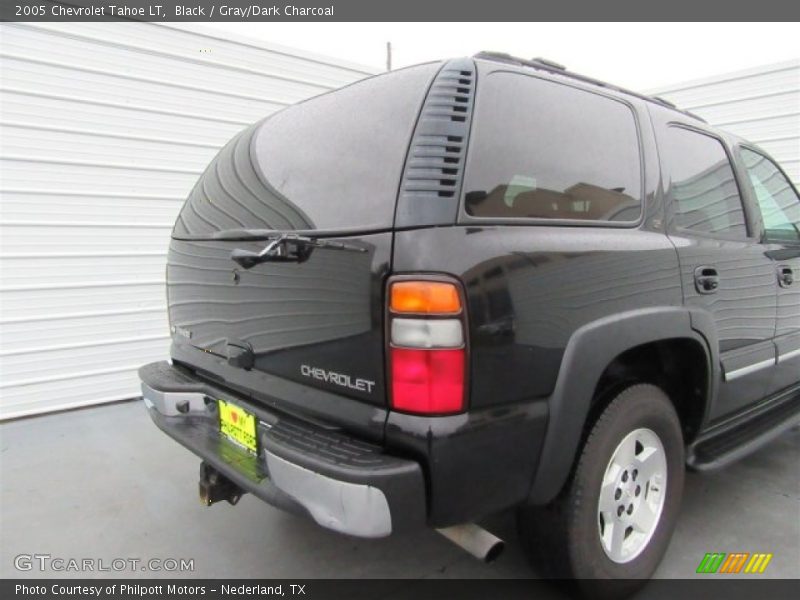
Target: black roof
x,y
558,69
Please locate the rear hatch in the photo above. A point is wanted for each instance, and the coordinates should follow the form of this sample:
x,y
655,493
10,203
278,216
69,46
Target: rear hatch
x,y
313,190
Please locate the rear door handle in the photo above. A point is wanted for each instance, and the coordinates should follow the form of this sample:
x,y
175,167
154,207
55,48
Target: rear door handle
x,y
785,276
706,280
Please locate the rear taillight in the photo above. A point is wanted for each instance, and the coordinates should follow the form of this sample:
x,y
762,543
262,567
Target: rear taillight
x,y
427,346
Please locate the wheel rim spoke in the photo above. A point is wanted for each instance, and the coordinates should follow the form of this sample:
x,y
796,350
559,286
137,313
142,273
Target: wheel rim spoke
x,y
644,518
617,539
607,503
647,463
626,452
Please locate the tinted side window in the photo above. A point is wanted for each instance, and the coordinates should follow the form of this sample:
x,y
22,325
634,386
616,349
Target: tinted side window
x,y
702,185
777,200
540,149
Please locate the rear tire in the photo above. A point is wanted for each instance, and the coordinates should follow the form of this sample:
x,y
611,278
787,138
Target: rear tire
x,y
615,517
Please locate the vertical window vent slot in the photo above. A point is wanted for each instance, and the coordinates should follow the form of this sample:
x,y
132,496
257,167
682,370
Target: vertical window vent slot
x,y
434,166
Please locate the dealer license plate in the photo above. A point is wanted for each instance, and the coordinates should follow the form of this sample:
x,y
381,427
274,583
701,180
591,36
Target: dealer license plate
x,y
238,425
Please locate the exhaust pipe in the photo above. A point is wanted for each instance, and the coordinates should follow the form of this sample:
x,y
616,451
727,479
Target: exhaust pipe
x,y
476,540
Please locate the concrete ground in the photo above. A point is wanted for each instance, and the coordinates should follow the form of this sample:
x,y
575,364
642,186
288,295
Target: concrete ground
x,y
104,483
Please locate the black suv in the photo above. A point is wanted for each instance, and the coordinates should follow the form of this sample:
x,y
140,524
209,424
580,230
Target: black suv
x,y
479,284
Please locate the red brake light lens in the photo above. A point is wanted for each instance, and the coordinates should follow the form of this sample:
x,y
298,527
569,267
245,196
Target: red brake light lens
x,y
427,381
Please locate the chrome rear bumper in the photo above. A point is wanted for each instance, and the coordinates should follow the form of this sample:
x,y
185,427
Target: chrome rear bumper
x,y
340,482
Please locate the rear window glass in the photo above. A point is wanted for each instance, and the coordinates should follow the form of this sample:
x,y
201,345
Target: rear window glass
x,y
331,162
545,150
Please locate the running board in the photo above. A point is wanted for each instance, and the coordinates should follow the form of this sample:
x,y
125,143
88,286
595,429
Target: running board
x,y
745,433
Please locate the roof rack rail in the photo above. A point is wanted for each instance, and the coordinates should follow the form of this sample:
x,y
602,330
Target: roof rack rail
x,y
549,63
664,101
558,69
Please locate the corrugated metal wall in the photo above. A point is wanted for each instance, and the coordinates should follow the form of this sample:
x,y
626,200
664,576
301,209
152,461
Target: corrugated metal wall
x,y
103,130
760,104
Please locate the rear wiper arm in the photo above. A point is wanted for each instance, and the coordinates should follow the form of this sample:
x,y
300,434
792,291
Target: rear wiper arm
x,y
288,247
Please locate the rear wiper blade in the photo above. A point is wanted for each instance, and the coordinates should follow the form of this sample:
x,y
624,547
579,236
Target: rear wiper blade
x,y
235,235
288,247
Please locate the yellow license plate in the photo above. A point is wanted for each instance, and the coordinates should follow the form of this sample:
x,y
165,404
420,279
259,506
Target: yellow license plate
x,y
238,425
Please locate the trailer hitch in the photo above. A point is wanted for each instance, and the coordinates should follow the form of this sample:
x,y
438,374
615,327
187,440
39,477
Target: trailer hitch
x,y
214,487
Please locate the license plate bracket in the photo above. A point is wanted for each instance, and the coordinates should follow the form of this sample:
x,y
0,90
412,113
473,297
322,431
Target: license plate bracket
x,y
238,425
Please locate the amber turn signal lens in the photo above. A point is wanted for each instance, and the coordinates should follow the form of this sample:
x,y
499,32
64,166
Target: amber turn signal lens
x,y
425,297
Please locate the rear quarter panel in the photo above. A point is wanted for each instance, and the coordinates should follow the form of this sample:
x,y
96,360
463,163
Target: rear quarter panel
x,y
529,288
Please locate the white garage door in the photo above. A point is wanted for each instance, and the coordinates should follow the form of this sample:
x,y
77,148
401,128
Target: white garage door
x,y
761,104
103,130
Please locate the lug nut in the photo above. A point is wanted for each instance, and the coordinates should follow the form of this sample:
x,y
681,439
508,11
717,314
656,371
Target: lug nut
x,y
634,474
630,509
620,510
638,490
624,476
617,494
